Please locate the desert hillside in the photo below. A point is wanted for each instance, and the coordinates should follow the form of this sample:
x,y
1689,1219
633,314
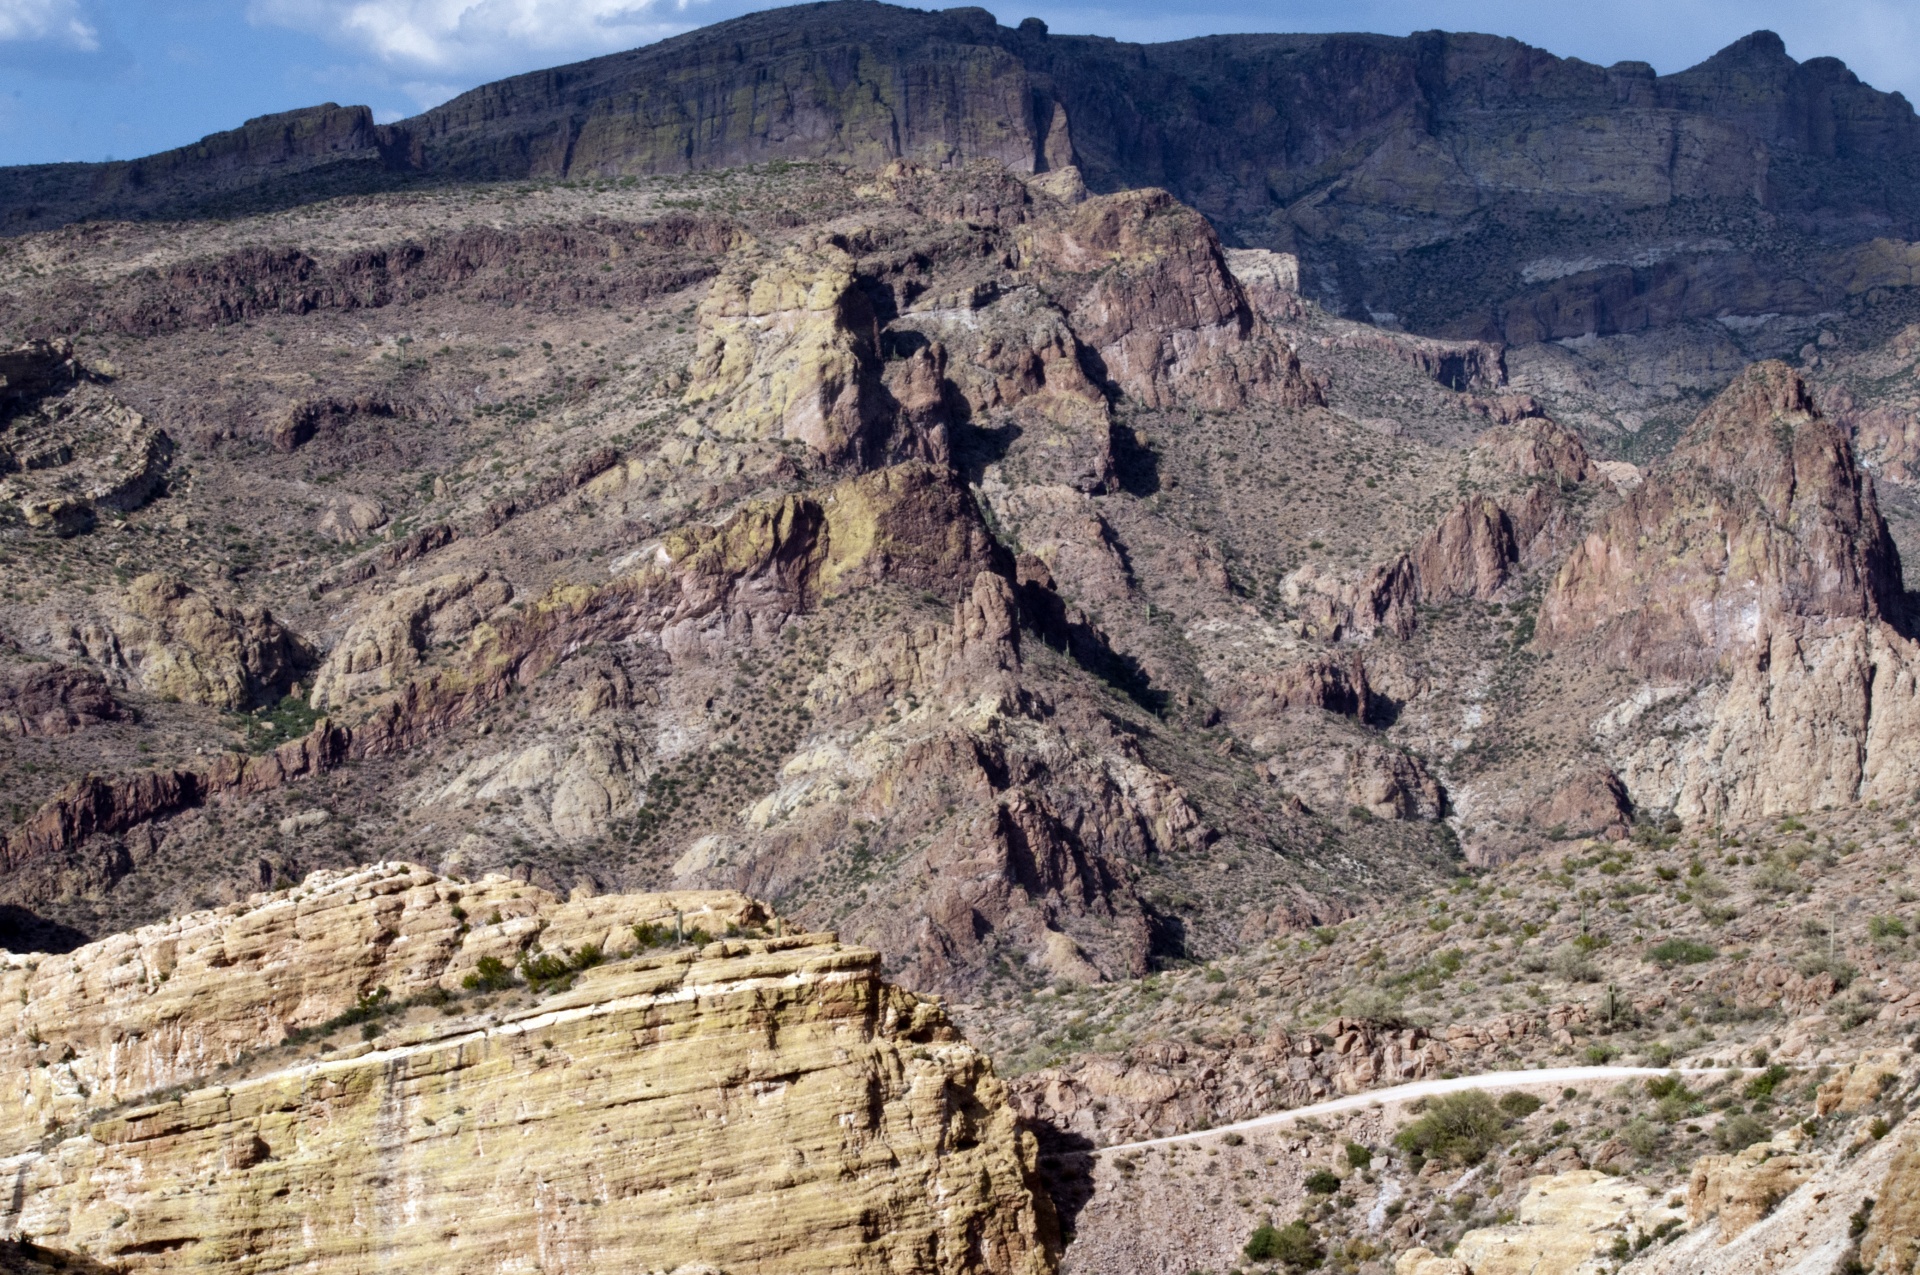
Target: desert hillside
x,y
915,627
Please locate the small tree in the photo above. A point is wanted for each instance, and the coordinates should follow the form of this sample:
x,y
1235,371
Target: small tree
x,y
1457,1129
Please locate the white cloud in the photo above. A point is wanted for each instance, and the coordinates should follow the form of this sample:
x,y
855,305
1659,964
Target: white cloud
x,y
56,21
479,35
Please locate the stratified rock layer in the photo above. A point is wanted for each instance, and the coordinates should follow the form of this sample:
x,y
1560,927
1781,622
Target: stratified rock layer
x,y
759,1104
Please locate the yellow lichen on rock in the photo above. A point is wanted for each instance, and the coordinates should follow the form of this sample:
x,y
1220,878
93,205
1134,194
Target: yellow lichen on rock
x,y
178,643
754,1104
788,349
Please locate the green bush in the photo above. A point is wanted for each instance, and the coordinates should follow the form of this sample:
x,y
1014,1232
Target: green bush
x,y
1520,1105
1680,952
1322,1182
1763,1085
1358,1157
1669,1085
1642,1136
1456,1129
1886,927
490,974
1571,964
1293,1244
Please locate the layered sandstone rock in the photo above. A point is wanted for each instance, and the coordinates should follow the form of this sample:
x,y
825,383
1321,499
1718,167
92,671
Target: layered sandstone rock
x,y
755,1104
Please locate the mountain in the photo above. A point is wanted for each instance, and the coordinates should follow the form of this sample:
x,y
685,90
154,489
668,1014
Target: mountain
x,y
1020,554
1455,184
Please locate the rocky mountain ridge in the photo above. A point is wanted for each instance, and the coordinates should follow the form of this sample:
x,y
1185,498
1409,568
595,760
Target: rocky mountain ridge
x,y
1429,178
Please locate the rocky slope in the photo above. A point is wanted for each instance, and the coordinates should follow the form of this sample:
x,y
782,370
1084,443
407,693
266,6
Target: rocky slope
x,y
1226,702
654,1111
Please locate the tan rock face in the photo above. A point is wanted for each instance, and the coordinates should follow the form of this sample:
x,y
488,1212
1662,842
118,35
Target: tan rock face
x,y
1563,1226
1742,1188
789,349
753,1105
382,647
1892,1241
173,640
1858,1086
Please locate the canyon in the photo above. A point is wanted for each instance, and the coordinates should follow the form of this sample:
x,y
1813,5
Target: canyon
x,y
845,617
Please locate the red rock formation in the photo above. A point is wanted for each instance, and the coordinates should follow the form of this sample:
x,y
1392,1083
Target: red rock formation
x,y
1162,310
42,700
1759,514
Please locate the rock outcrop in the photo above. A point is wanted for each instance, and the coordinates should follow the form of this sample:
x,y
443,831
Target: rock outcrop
x,y
1565,1224
1742,1188
1759,516
175,642
753,1104
69,450
46,700
789,349
382,648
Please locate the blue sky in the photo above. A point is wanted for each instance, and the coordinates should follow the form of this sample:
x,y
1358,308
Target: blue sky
x,y
92,79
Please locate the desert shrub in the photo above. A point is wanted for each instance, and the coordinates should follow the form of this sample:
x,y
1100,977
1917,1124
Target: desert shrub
x,y
1519,1105
1658,1054
490,974
646,935
1843,973
1456,1129
1379,1004
1886,927
1358,1157
1763,1085
1571,964
1776,876
1322,1182
1294,1245
1680,952
1737,1133
1641,1135
1666,1086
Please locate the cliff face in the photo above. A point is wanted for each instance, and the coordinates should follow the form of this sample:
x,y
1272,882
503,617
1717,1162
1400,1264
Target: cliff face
x,y
755,1104
1460,182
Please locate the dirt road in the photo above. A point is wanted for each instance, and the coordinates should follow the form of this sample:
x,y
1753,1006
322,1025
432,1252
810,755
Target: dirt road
x,y
1560,1076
